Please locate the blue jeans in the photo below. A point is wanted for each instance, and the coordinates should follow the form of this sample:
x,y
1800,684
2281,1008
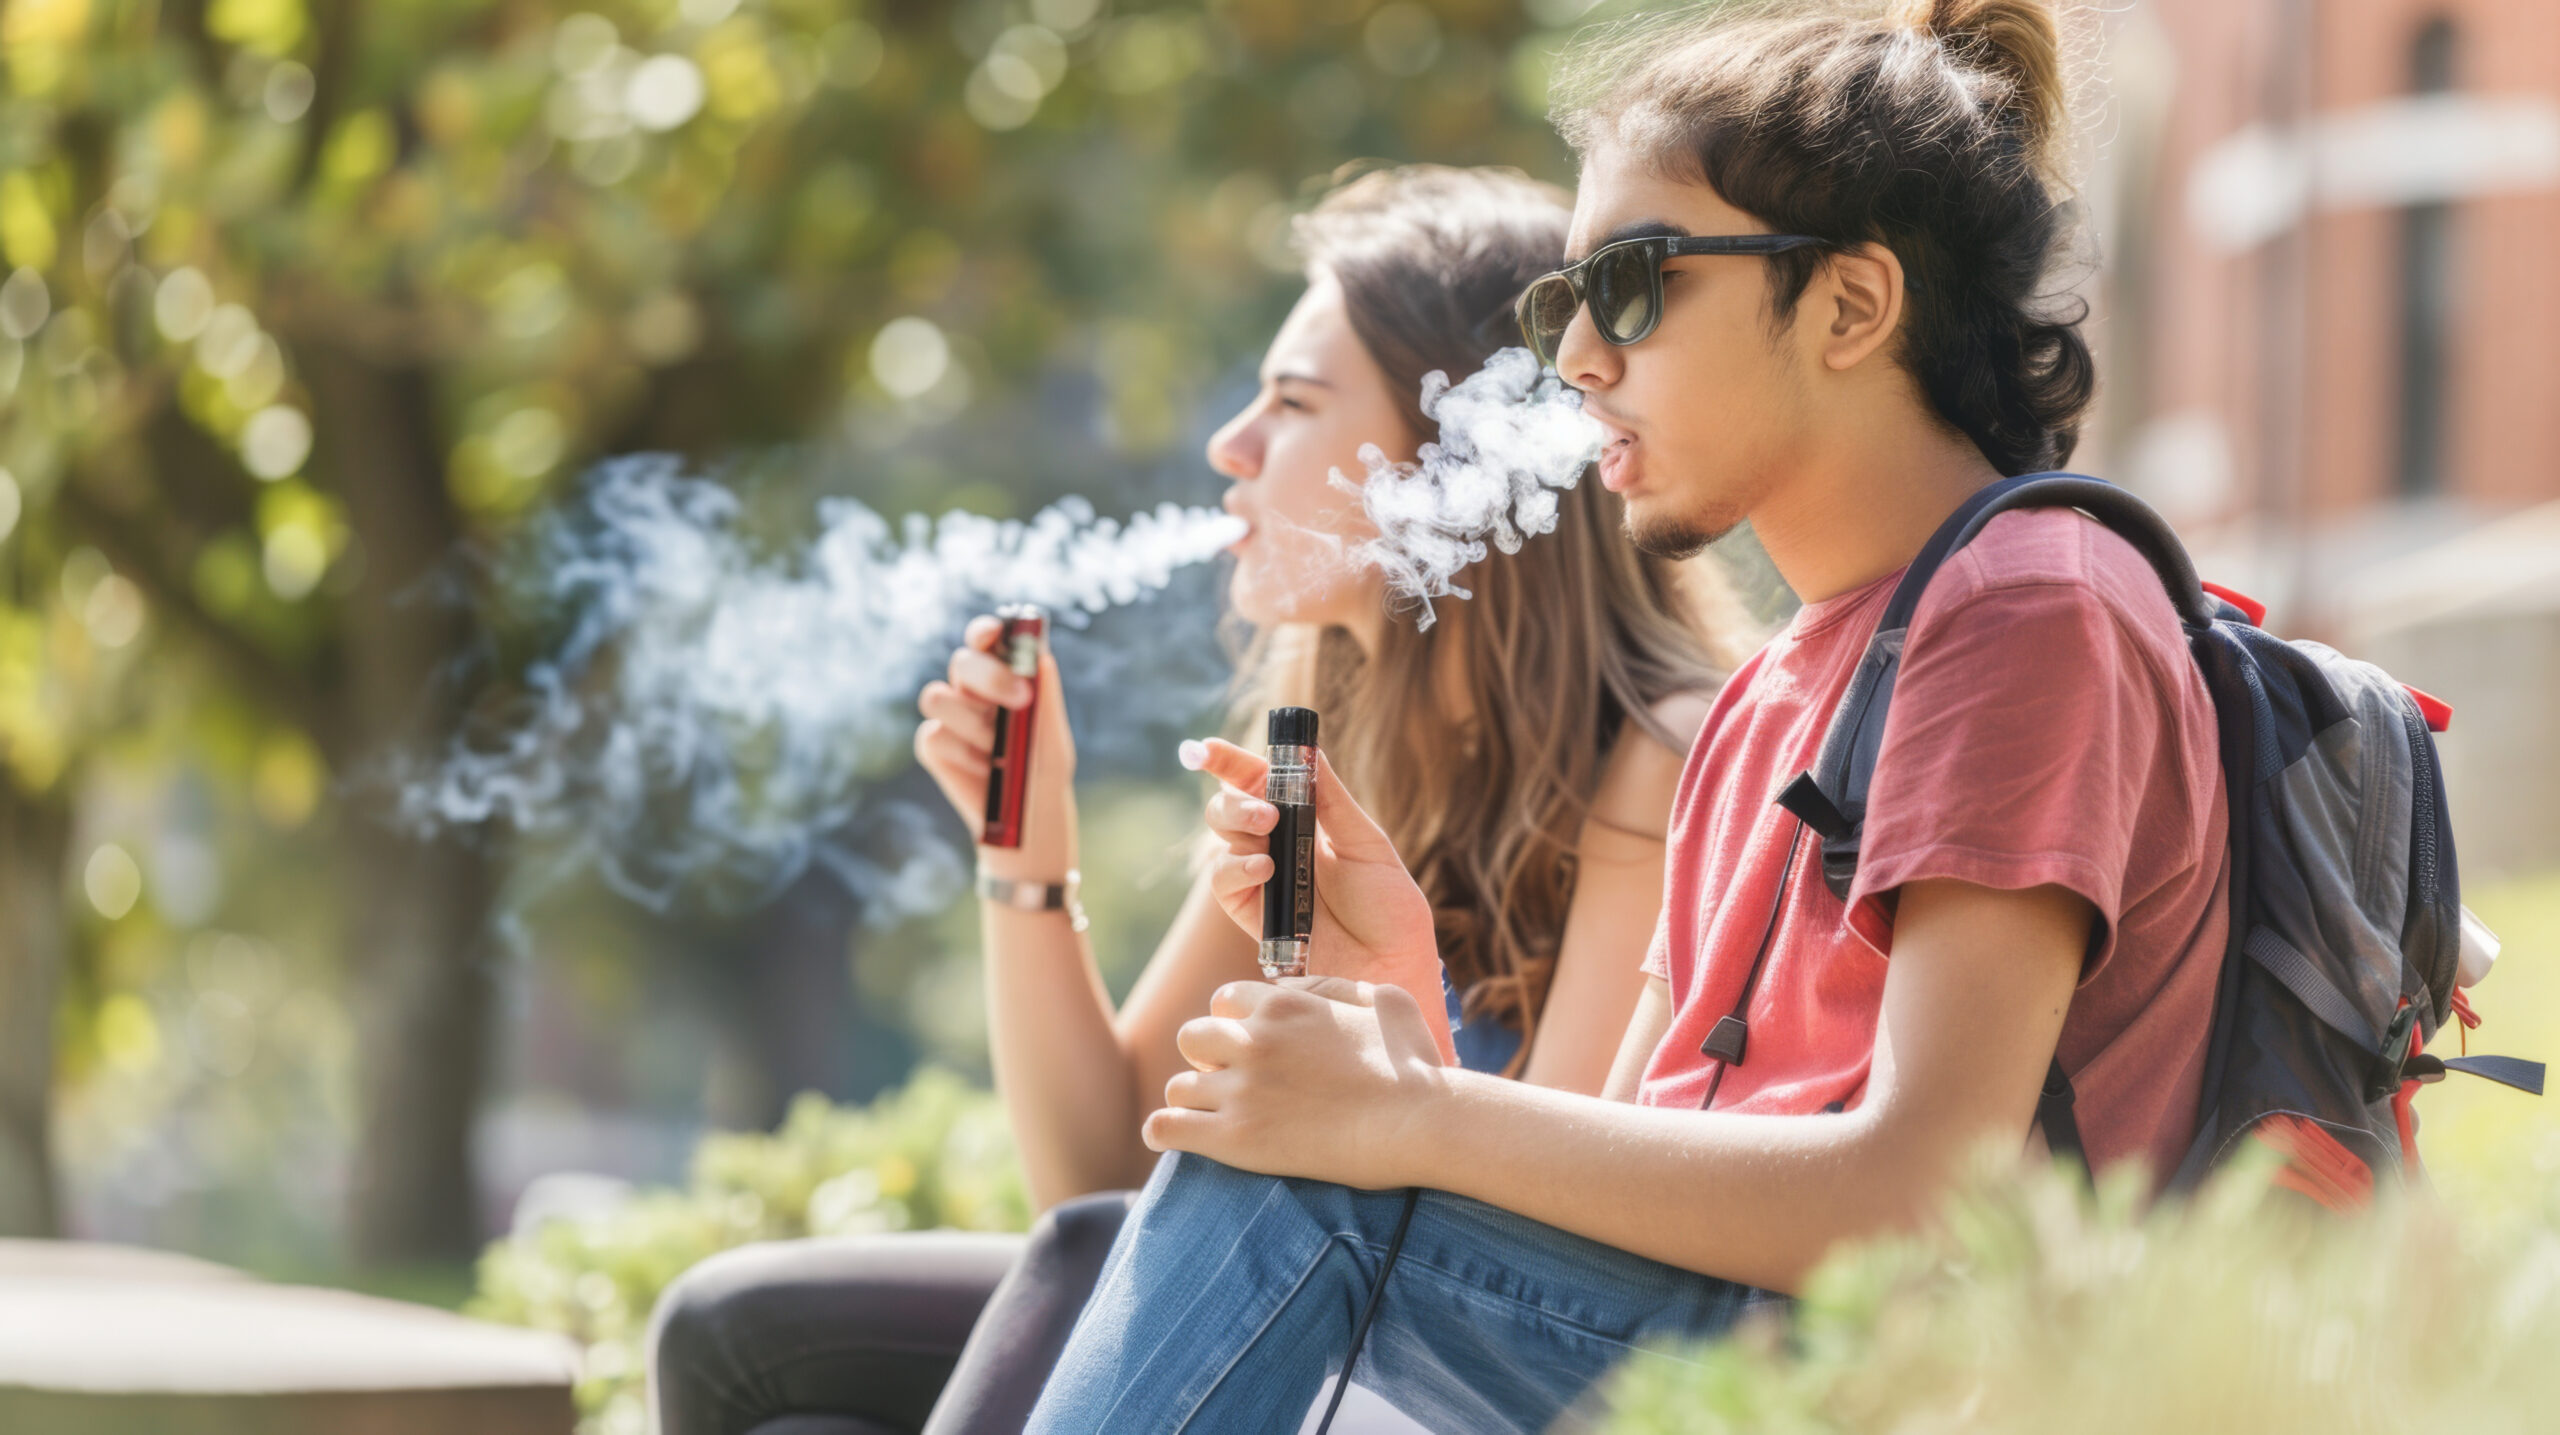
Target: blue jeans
x,y
1230,1297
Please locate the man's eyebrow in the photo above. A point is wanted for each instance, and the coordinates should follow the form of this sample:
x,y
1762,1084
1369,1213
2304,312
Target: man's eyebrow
x,y
1634,229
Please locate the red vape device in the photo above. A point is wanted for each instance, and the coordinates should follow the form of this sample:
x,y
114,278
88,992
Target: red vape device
x,y
1009,769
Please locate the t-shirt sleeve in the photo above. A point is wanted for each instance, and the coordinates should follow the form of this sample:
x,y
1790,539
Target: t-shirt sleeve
x,y
1657,953
2025,734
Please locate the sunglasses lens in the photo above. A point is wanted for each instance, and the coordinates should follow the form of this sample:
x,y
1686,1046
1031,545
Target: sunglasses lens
x,y
1546,311
1622,292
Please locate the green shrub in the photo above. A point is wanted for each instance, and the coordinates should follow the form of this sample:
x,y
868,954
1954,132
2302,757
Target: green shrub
x,y
933,1153
2038,1306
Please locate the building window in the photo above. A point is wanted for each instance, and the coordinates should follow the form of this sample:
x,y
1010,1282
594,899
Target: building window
x,y
2426,293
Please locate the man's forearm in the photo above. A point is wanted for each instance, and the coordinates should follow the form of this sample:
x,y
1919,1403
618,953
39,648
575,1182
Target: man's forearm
x,y
1756,1199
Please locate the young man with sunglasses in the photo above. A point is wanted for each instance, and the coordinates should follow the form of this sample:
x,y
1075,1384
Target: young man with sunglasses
x,y
1779,315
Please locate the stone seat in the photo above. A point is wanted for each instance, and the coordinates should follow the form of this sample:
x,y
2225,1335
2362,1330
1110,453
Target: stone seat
x,y
105,1340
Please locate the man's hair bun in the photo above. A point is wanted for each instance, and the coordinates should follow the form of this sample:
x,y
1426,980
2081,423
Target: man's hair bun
x,y
2015,43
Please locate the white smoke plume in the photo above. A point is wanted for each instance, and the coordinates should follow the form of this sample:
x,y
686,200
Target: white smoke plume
x,y
1512,437
707,723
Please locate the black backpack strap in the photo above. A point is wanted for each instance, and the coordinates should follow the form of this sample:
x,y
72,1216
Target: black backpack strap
x,y
1834,802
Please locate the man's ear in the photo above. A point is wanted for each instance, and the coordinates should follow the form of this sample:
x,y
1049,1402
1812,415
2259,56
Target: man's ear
x,y
1861,297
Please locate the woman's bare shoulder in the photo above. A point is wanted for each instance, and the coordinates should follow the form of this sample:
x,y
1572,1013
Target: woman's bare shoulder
x,y
1643,773
1683,713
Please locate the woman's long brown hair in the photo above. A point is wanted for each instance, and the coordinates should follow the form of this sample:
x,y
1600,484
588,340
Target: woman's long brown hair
x,y
1563,645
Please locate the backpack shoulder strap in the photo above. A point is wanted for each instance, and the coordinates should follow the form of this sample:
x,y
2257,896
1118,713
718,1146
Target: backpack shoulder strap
x,y
1832,798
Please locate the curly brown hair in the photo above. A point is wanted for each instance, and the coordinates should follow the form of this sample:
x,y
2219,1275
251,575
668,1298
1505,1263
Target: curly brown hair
x,y
1931,127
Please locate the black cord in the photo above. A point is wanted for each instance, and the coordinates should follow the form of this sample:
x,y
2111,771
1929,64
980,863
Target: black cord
x,y
1751,980
1369,1312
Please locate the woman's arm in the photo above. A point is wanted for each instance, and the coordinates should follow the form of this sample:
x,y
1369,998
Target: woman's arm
x,y
1076,1078
1617,895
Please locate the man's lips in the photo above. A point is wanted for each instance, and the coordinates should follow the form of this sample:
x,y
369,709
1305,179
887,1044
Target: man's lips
x,y
1617,465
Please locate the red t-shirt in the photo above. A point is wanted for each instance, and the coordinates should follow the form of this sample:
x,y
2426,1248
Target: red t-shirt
x,y
2048,726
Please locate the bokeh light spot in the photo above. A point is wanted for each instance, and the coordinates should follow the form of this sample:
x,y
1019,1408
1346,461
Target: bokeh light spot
x,y
112,880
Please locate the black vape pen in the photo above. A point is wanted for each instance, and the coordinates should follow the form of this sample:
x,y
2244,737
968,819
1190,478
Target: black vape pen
x,y
1289,898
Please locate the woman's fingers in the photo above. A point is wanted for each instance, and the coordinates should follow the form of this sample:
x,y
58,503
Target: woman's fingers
x,y
972,721
1231,764
981,632
1233,815
982,677
1237,878
946,754
1345,823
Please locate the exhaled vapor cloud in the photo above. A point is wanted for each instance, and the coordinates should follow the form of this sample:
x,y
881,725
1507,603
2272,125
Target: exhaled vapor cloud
x,y
711,713
1512,437
708,714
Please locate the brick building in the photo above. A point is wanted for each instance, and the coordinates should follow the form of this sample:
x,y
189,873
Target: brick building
x,y
2329,329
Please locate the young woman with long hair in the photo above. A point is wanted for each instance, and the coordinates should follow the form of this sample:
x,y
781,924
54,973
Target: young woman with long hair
x,y
1521,751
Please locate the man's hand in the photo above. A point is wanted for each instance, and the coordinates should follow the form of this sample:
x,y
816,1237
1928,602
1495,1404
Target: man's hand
x,y
1315,1076
1372,922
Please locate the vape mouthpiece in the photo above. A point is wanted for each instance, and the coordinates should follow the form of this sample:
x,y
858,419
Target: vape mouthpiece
x,y
1289,898
1292,727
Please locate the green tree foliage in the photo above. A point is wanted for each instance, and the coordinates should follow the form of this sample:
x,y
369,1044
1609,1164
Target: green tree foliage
x,y
301,297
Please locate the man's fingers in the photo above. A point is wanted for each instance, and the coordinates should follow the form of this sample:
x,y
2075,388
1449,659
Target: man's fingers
x,y
1200,1090
1241,999
1173,1128
1211,1043
1233,765
1338,989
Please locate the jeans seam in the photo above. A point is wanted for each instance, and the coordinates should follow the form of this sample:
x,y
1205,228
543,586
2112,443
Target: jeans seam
x,y
1313,1265
1541,1312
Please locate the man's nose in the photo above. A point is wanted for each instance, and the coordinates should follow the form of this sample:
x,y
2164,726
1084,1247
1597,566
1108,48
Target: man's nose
x,y
1584,359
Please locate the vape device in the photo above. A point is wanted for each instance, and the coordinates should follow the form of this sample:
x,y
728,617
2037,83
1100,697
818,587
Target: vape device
x,y
1289,898
1009,762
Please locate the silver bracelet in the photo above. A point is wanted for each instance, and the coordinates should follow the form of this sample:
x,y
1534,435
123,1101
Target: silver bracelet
x,y
1036,896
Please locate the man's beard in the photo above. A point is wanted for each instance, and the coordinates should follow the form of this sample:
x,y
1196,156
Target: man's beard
x,y
1679,538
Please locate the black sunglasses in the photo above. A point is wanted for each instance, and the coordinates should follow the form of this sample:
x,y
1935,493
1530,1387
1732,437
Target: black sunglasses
x,y
1623,284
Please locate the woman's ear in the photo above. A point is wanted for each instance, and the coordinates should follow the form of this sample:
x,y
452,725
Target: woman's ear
x,y
1860,295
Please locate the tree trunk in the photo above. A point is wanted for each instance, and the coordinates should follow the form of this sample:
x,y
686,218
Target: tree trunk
x,y
33,834
421,922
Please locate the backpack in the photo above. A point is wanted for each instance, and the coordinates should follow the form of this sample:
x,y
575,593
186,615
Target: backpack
x,y
2346,915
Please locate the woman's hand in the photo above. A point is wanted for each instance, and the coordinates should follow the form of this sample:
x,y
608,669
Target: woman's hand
x,y
1314,1076
1372,922
957,737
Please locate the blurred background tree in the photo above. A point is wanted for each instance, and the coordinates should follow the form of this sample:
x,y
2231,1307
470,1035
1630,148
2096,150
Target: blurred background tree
x,y
309,301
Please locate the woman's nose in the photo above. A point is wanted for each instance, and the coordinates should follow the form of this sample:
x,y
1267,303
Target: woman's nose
x,y
1236,450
